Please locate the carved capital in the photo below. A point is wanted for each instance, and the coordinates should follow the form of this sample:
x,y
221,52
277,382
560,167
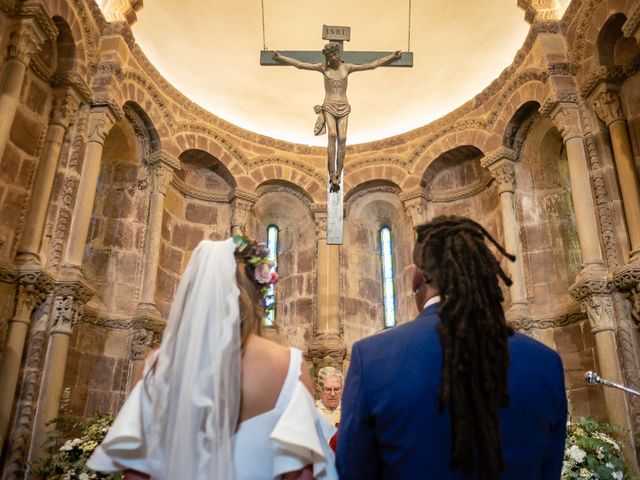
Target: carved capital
x,y
240,208
27,299
161,177
504,175
66,313
141,342
326,351
101,119
25,42
599,310
608,107
64,108
416,208
566,119
320,218
160,157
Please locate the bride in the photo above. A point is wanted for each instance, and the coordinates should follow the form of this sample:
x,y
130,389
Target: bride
x,y
217,401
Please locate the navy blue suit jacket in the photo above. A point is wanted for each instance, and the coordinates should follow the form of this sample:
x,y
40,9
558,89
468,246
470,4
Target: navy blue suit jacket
x,y
390,426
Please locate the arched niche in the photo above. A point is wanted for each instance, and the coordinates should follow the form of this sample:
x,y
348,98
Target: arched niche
x,y
196,207
113,253
285,207
374,206
455,183
65,47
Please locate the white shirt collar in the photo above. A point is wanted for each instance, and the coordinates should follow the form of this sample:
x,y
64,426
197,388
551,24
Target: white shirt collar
x,y
431,301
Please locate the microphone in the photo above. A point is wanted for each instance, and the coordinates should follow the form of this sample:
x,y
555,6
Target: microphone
x,y
592,378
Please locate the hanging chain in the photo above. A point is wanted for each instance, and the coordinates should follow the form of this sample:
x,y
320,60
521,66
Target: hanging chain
x,y
264,37
409,29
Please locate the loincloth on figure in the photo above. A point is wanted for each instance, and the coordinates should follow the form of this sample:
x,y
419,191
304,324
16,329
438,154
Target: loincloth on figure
x,y
336,108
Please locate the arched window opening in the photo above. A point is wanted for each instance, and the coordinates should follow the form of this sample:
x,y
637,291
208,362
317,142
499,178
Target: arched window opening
x,y
388,289
270,300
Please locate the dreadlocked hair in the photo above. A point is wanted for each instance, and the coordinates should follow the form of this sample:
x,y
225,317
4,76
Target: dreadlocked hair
x,y
452,254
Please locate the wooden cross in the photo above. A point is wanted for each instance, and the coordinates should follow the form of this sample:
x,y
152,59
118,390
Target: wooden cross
x,y
335,199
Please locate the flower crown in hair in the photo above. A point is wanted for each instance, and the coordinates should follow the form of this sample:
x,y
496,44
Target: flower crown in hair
x,y
257,255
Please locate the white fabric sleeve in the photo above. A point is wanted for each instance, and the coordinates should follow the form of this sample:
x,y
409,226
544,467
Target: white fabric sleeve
x,y
300,440
125,445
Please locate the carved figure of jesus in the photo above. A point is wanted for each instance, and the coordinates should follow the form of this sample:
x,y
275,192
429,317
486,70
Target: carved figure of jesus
x,y
335,107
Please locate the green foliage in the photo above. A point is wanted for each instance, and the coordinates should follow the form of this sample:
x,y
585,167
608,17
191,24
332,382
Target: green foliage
x,y
592,453
73,441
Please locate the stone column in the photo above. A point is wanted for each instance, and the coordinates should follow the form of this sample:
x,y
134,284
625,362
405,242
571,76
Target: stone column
x,y
27,39
240,207
599,309
64,107
101,119
161,169
327,348
68,303
501,164
565,117
607,107
32,287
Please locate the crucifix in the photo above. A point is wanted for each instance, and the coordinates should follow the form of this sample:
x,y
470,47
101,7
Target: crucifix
x,y
335,64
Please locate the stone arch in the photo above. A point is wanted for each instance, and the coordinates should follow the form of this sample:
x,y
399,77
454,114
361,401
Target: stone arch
x,y
373,206
135,88
478,139
66,50
146,133
354,179
519,125
112,258
80,32
290,175
380,184
283,204
612,48
533,91
190,140
194,158
590,24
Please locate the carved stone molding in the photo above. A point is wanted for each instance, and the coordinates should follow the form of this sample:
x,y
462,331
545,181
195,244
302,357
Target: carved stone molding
x,y
599,310
608,107
265,189
69,298
497,155
189,191
120,10
36,11
591,283
540,10
543,323
75,81
460,193
631,27
327,350
8,274
162,157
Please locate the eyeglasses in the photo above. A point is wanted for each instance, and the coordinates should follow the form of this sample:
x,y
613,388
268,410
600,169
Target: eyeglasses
x,y
331,390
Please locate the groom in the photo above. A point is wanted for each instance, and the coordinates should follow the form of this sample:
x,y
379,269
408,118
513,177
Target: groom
x,y
453,393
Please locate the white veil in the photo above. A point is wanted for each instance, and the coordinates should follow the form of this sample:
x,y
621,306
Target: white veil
x,y
195,389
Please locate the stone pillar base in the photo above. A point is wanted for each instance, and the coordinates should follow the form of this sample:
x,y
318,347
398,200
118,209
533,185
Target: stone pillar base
x,y
518,312
147,310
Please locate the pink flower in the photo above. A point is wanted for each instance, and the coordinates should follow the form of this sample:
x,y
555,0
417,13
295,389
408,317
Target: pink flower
x,y
263,273
274,278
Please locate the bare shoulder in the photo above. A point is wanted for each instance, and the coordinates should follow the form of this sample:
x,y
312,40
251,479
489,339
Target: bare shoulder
x,y
262,350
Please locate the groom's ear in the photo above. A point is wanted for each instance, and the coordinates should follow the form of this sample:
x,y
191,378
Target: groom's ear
x,y
417,279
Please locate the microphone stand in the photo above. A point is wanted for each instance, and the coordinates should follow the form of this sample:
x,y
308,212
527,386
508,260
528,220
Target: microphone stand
x,y
592,378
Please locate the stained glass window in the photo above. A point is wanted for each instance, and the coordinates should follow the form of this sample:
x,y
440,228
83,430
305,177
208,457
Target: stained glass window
x,y
272,247
388,291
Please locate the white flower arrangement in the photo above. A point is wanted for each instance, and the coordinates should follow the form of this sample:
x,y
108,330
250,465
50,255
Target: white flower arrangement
x,y
591,452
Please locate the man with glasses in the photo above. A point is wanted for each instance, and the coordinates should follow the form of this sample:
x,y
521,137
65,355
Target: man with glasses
x,y
330,382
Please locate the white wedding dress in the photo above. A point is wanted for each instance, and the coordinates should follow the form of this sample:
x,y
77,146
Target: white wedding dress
x,y
284,439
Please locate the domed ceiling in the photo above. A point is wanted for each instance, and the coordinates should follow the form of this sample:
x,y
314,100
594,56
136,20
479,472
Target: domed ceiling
x,y
209,50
